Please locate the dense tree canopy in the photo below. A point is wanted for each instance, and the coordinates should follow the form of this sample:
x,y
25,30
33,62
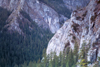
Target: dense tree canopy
x,y
16,48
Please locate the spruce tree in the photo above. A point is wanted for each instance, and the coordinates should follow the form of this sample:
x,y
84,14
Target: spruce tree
x,y
50,63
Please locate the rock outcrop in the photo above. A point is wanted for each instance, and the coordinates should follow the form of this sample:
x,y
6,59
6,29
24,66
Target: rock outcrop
x,y
82,27
75,4
43,15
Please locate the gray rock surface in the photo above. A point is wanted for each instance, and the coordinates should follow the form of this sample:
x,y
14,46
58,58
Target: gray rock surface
x,y
39,12
82,27
43,15
75,4
92,55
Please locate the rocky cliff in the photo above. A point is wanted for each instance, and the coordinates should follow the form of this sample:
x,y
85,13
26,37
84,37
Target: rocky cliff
x,y
75,4
46,16
43,15
82,28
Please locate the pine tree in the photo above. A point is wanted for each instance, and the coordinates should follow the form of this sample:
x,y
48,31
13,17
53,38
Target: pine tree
x,y
71,58
83,56
30,64
67,64
63,64
83,63
45,59
60,58
16,66
75,53
56,61
24,65
50,63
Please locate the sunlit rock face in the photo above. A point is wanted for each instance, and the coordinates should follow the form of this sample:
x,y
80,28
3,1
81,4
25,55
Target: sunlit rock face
x,y
75,4
43,15
82,27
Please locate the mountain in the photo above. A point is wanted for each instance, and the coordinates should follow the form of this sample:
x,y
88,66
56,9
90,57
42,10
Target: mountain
x,y
83,30
46,13
26,26
65,7
75,4
23,32
43,15
17,48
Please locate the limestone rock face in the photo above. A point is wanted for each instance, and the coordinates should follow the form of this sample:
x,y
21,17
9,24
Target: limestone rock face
x,y
92,55
75,4
82,27
43,15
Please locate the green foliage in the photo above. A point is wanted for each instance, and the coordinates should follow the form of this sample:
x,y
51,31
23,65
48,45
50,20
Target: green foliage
x,y
57,61
99,58
83,55
84,51
16,49
67,59
83,63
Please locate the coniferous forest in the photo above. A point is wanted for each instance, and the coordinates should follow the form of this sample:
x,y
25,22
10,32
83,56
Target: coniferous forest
x,y
67,59
29,50
15,49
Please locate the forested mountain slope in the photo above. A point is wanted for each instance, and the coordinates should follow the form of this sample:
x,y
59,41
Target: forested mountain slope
x,y
26,26
16,48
